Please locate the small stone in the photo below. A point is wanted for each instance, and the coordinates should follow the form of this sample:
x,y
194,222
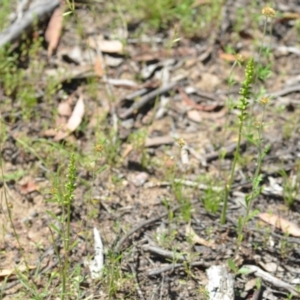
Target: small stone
x,y
139,179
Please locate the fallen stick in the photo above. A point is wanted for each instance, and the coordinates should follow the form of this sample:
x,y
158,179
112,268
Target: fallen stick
x,y
272,279
14,31
172,267
140,226
145,99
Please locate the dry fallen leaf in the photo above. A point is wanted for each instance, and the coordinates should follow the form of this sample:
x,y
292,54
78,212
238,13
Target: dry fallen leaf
x,y
76,116
98,67
107,46
28,187
227,56
73,122
196,239
127,150
16,270
64,109
194,115
52,34
280,223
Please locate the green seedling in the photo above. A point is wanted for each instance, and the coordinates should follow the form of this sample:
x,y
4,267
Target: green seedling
x,y
232,266
191,19
291,186
64,198
245,92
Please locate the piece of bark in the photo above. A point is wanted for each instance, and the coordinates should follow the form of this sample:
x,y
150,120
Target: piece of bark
x,y
220,283
38,11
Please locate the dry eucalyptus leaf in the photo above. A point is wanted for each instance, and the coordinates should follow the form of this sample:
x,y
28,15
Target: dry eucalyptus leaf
x,y
15,271
98,67
196,239
28,187
77,115
73,122
194,115
53,31
280,223
107,46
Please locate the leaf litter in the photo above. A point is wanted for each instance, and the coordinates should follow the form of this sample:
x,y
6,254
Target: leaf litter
x,y
169,94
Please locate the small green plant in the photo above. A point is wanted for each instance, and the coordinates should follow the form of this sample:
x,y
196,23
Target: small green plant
x,y
211,197
190,18
252,74
285,246
263,71
232,266
10,75
245,93
166,237
258,283
113,276
109,145
167,205
71,7
183,200
203,293
137,140
64,200
291,185
4,13
289,296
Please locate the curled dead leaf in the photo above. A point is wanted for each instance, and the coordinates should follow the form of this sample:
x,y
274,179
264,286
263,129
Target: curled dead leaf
x,y
77,115
73,122
280,223
53,31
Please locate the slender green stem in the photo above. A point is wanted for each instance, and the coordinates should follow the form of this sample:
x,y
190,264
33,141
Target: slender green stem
x,y
245,92
67,200
229,185
260,157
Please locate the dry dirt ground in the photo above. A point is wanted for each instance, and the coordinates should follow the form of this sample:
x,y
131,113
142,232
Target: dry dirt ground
x,y
140,98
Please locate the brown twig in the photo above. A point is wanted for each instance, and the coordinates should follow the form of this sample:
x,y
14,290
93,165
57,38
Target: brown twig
x,y
140,226
164,253
145,99
137,282
172,267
